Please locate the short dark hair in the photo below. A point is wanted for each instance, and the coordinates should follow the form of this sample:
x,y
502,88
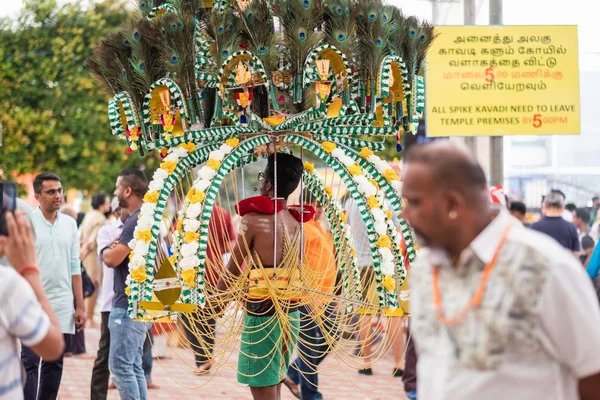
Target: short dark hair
x,y
98,200
571,207
517,206
587,242
39,180
135,179
289,173
583,214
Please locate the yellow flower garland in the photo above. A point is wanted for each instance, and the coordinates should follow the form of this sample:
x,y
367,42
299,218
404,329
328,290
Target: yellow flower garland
x,y
384,242
343,217
309,167
195,196
365,153
232,142
355,169
151,197
329,146
213,164
144,236
390,175
388,282
190,237
188,146
169,166
139,274
189,277
372,202
328,190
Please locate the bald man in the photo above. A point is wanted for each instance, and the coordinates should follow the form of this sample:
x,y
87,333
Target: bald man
x,y
498,311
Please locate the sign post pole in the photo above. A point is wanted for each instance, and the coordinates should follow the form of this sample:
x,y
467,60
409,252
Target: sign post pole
x,y
469,19
496,142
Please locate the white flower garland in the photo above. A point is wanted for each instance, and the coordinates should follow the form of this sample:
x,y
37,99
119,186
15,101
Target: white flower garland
x,y
142,235
374,199
186,237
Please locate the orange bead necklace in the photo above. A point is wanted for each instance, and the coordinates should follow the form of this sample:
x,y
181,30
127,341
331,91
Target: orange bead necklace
x,y
477,298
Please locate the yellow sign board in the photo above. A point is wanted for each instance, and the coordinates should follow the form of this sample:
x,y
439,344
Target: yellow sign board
x,y
503,80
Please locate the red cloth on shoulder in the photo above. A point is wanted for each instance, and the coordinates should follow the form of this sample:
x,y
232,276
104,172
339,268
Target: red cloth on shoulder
x,y
268,206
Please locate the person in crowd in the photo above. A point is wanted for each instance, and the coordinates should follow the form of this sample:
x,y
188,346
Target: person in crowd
x,y
519,211
107,235
570,208
587,248
200,327
127,336
319,257
147,360
263,365
582,216
26,314
364,260
57,245
88,232
478,334
74,344
554,225
409,377
594,211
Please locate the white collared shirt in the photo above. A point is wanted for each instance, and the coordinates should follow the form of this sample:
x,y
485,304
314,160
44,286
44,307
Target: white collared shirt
x,y
109,232
536,333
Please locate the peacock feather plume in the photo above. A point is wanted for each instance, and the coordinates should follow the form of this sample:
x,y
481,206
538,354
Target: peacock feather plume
x,y
299,20
425,39
340,26
258,33
372,38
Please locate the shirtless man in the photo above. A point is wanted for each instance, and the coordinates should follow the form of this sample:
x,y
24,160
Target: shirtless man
x,y
259,247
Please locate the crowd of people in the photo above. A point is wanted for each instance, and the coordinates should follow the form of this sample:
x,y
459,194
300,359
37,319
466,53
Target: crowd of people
x,y
499,308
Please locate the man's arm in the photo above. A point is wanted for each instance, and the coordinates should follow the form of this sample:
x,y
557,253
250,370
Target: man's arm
x,y
570,320
113,256
76,284
79,304
238,255
30,323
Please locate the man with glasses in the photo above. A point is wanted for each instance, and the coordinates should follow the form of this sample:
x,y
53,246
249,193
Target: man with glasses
x,y
57,247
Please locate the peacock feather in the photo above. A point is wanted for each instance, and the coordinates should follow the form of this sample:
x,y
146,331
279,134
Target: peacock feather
x,y
340,26
178,31
299,21
393,21
425,39
258,33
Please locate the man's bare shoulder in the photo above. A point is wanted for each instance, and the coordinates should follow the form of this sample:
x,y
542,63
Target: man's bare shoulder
x,y
256,222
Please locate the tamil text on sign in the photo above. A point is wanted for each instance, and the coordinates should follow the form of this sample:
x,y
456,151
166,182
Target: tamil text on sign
x,y
503,80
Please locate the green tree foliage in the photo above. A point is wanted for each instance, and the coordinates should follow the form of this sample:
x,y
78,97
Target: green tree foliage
x,y
53,113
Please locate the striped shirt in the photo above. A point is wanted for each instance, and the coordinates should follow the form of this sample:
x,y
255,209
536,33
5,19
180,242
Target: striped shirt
x,y
21,318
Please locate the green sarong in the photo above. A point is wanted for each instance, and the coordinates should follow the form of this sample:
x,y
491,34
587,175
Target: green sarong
x,y
266,348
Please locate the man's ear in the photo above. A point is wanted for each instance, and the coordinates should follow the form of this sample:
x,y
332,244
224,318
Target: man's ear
x,y
454,201
269,187
128,192
37,196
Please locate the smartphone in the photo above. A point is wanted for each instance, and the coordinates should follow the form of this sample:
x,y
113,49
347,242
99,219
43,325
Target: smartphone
x,y
8,191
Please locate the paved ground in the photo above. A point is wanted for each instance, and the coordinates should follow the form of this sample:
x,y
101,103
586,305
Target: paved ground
x,y
177,383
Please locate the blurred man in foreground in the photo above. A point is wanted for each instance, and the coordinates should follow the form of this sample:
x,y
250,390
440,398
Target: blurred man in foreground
x,y
498,311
